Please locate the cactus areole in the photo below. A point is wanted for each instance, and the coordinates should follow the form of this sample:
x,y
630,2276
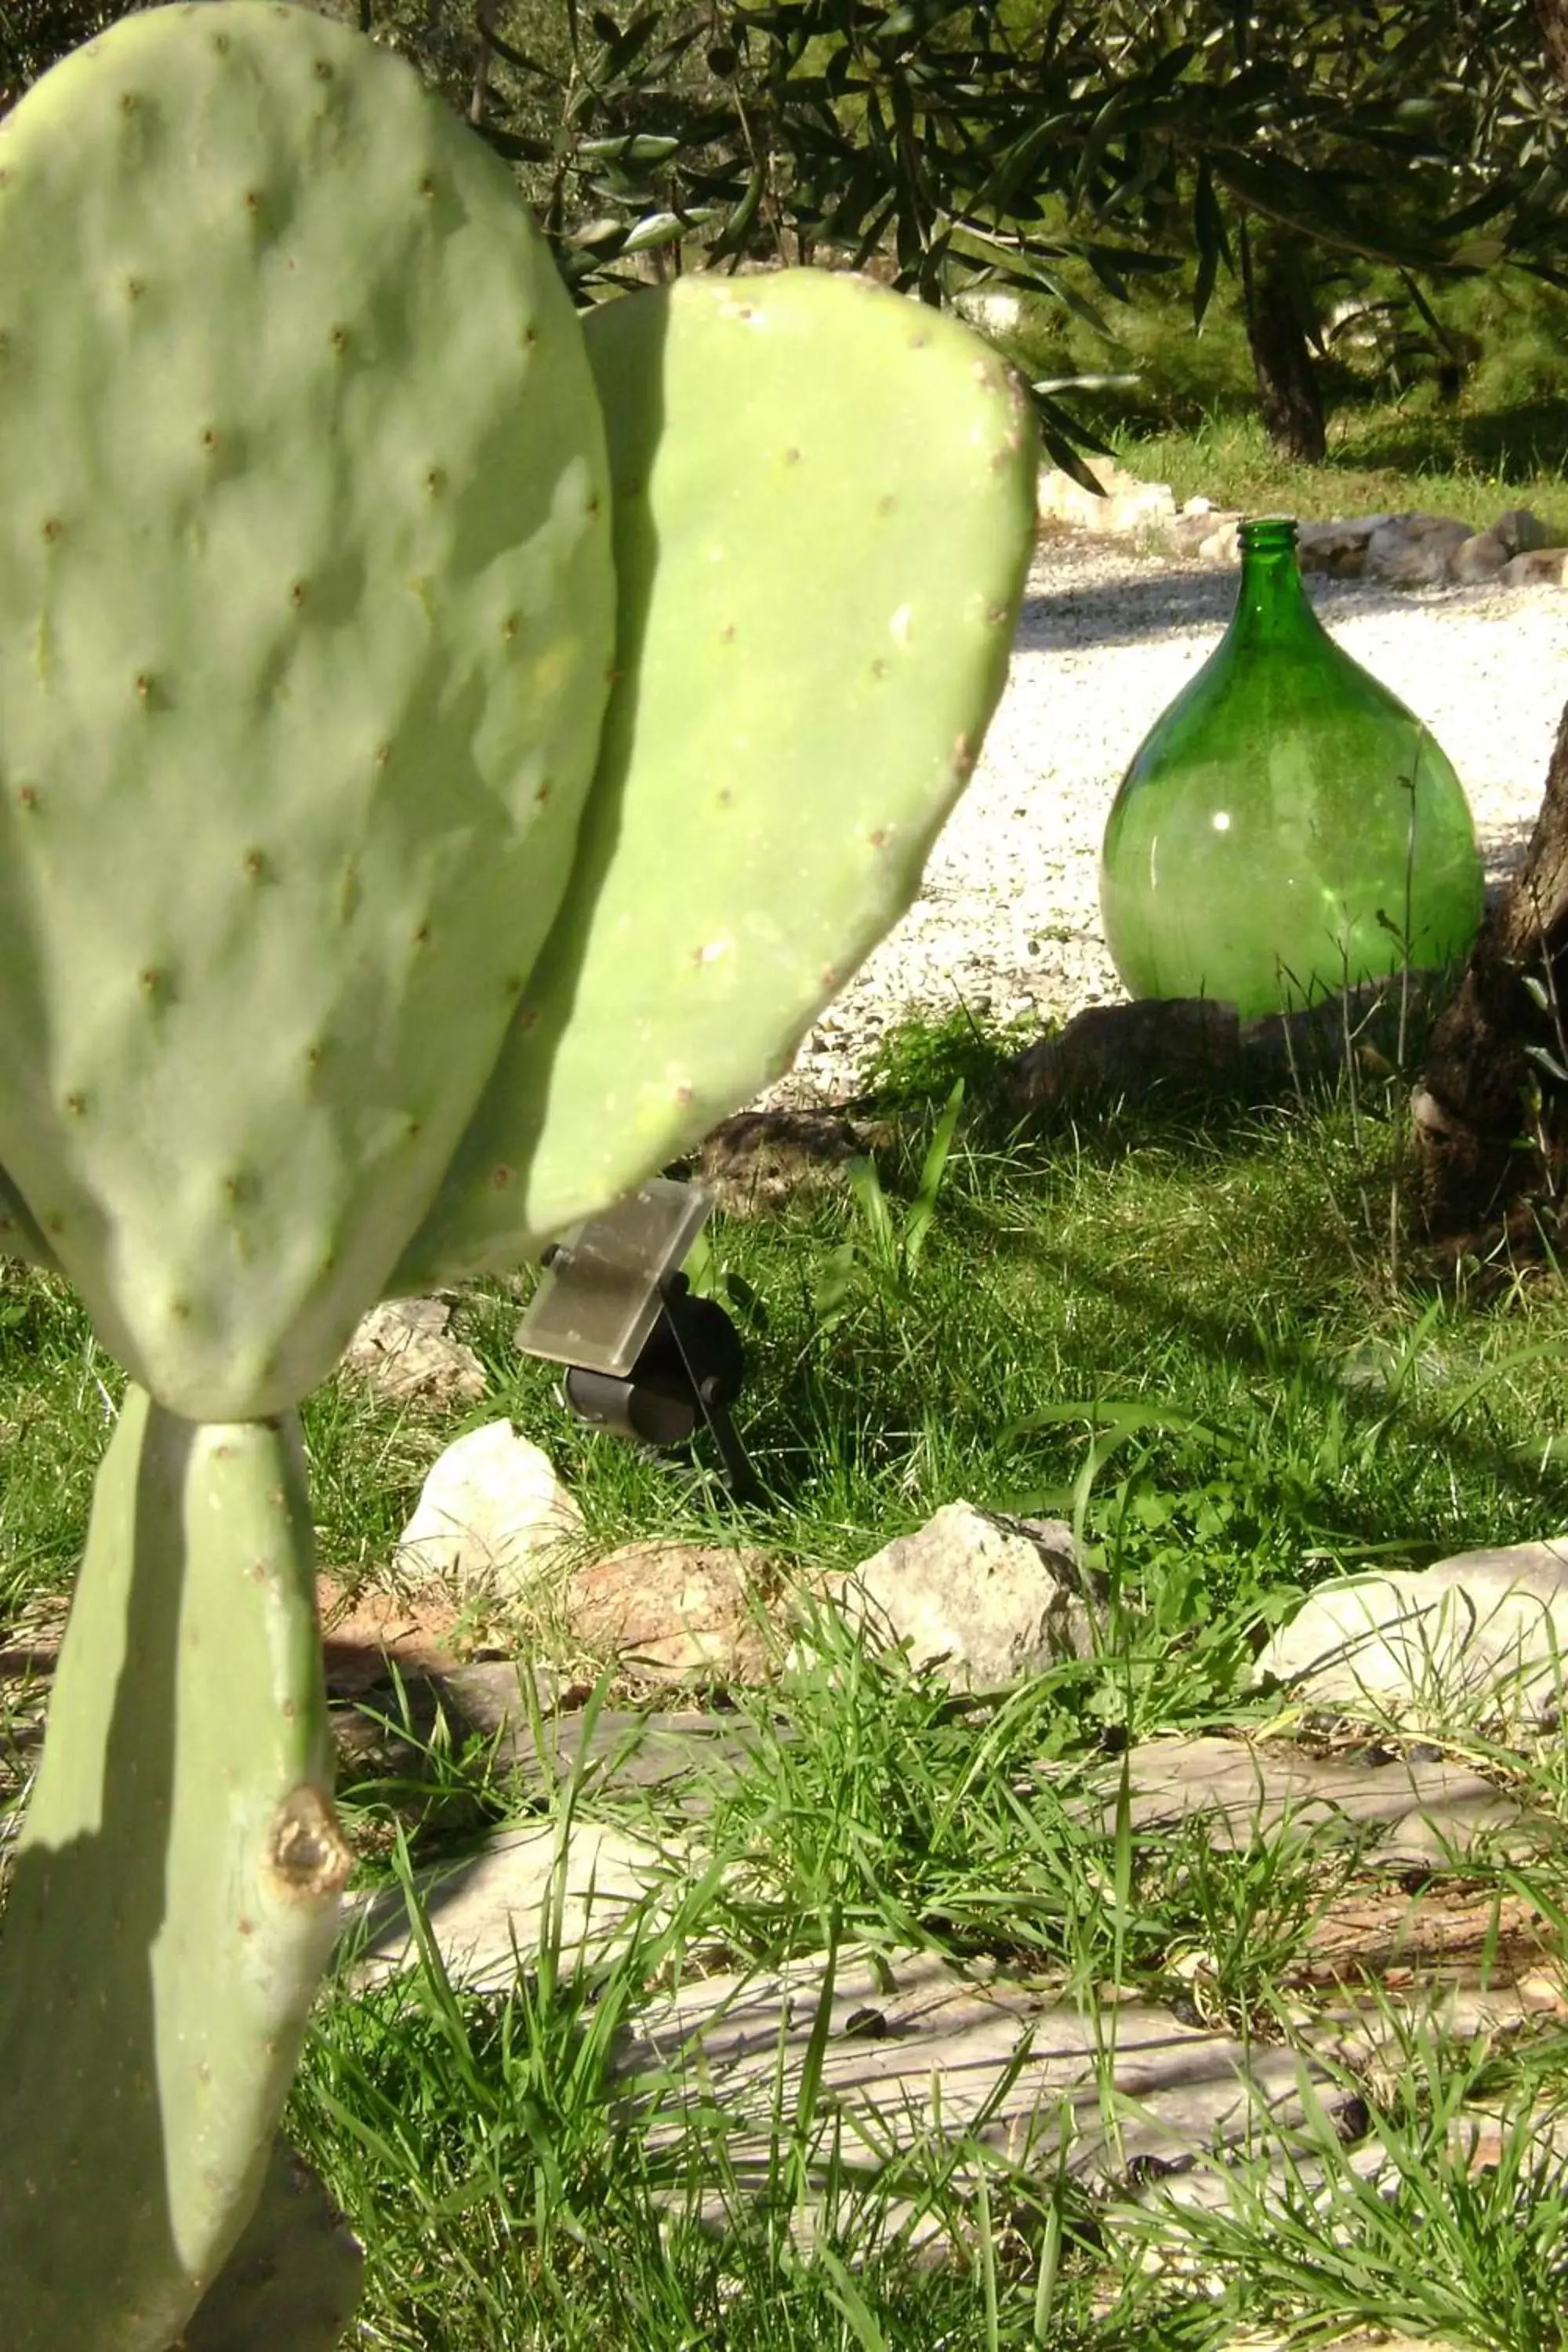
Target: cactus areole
x,y
450,755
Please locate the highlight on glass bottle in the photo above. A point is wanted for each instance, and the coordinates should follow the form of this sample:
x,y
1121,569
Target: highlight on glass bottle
x,y
1287,829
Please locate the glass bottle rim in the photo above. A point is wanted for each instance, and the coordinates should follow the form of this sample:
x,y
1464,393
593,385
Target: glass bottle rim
x,y
1267,534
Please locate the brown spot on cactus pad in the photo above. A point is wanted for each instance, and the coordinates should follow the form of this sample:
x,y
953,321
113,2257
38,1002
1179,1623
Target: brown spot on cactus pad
x,y
307,1857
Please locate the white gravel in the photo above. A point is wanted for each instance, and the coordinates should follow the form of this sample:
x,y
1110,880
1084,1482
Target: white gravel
x,y
1008,917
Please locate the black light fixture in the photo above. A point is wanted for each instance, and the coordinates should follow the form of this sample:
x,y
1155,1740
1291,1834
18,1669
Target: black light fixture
x,y
644,1357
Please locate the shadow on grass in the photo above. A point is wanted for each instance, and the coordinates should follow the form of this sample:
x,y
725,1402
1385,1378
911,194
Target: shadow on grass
x,y
1509,445
1362,1458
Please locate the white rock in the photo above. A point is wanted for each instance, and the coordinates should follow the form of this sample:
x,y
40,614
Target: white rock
x,y
403,1350
1414,550
491,1516
991,308
1124,505
488,1914
1149,508
1222,544
982,1603
1481,1636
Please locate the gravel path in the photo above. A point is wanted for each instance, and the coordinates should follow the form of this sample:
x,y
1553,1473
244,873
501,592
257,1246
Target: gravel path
x,y
1008,919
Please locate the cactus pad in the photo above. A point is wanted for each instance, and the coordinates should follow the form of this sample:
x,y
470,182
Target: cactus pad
x,y
176,1889
824,513
306,606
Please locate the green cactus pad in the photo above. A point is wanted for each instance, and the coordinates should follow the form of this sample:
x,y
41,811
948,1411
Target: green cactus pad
x,y
306,606
824,513
176,1889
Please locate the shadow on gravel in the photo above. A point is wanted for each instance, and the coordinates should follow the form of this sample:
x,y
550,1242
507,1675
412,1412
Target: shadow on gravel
x,y
1148,596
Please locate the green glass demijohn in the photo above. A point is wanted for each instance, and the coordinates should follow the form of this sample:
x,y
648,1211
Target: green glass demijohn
x,y
1287,828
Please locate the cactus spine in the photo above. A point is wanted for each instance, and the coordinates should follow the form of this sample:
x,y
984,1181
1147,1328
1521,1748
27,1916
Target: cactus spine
x,y
338,951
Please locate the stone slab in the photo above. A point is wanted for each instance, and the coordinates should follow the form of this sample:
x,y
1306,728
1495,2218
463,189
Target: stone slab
x,y
691,1757
1406,1813
487,1913
917,2054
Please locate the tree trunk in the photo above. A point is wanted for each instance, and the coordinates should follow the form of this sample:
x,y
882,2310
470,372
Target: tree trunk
x,y
1551,15
1280,318
1492,1117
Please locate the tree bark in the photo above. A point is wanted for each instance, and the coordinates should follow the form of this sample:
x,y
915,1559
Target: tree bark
x,y
1551,15
1280,318
1491,1119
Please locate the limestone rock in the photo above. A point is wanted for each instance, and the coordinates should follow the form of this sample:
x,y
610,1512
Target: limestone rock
x,y
1204,531
916,2052
367,1635
983,1601
1539,567
403,1350
1221,544
1483,1635
1478,559
1125,504
1146,506
673,1611
1338,546
1520,531
1414,550
991,308
759,1160
498,1698
1410,1814
685,1759
491,1517
488,1913
1126,1047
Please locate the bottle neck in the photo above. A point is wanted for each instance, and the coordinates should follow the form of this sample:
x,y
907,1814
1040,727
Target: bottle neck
x,y
1272,608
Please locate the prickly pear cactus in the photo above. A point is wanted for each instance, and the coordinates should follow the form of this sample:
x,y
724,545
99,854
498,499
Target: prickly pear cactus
x,y
824,500
306,608
176,1889
323,971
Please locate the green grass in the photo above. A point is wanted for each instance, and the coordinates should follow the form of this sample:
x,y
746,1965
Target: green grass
x,y
1463,463
1395,441
1178,1323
